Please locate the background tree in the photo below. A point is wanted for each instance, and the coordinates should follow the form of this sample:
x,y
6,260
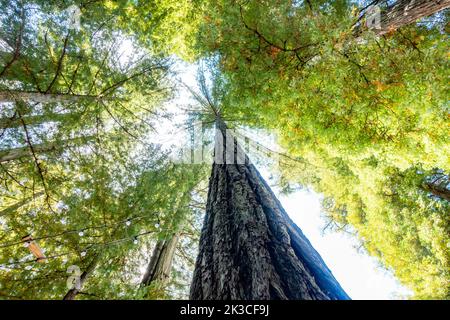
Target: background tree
x,y
76,173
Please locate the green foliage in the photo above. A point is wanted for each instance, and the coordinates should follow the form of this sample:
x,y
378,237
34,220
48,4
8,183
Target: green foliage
x,y
89,189
304,73
112,220
396,218
363,120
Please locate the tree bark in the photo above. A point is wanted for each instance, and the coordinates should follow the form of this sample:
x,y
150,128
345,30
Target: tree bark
x,y
439,189
18,153
404,12
160,265
14,95
6,123
249,247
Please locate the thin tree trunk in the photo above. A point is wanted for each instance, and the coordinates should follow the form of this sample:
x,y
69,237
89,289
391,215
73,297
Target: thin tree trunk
x,y
249,247
21,203
18,153
404,12
12,95
160,265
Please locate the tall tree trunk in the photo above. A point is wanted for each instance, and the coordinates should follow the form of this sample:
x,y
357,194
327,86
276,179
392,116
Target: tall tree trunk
x,y
404,12
14,95
249,247
17,153
160,265
72,293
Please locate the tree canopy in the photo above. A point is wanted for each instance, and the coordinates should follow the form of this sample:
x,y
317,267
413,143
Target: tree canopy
x,y
361,114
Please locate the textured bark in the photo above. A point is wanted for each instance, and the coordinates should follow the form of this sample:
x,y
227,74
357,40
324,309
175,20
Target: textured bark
x,y
439,189
249,247
160,264
17,153
404,12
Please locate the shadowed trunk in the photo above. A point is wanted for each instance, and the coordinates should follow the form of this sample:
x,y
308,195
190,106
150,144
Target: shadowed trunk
x,y
439,188
404,12
160,265
249,247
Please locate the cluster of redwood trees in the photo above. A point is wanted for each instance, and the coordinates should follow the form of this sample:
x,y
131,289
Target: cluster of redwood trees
x,y
360,112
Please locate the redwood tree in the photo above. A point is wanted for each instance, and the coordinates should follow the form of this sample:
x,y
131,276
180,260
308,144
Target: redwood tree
x,y
404,12
249,247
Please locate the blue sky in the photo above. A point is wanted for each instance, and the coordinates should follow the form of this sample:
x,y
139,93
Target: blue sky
x,y
359,274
